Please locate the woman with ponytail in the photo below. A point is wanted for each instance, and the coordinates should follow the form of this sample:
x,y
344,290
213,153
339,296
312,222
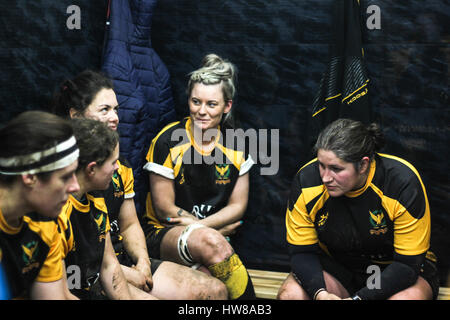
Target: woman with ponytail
x,y
358,222
199,182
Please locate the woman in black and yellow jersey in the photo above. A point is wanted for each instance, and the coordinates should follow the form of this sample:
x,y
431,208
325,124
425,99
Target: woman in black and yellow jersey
x,y
84,222
37,174
199,182
358,222
90,95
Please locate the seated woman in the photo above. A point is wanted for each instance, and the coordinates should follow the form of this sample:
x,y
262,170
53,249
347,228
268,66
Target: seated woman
x,y
199,182
358,222
37,174
84,222
90,95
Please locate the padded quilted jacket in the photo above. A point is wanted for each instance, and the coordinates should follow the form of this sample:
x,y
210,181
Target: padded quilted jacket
x,y
141,82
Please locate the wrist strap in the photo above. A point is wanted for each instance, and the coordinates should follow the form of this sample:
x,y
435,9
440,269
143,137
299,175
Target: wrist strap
x,y
317,292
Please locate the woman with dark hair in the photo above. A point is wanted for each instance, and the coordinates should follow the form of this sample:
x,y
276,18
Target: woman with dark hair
x,y
84,221
37,174
358,222
199,182
90,95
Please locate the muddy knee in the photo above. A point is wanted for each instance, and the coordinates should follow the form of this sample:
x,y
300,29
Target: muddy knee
x,y
209,246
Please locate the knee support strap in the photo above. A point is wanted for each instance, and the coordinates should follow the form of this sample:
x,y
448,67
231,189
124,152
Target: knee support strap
x,y
183,250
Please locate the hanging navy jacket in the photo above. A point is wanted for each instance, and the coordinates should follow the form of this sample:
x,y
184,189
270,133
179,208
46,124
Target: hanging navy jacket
x,y
141,83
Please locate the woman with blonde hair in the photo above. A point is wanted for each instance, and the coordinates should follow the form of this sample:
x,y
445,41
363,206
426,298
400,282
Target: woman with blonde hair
x,y
199,182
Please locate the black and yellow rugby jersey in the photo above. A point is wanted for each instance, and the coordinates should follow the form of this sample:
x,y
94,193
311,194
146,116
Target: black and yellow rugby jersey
x,y
83,226
203,182
120,188
31,252
390,213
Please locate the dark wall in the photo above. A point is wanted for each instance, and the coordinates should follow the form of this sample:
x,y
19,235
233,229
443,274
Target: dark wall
x,y
280,48
38,50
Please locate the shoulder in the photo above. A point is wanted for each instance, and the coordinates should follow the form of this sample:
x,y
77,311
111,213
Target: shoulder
x,y
308,175
98,203
306,183
167,133
397,173
123,162
46,228
400,181
125,170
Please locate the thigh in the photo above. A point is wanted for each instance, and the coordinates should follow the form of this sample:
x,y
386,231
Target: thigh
x,y
421,290
177,282
291,289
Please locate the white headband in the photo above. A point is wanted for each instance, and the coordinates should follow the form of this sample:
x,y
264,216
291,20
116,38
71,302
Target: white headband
x,y
60,156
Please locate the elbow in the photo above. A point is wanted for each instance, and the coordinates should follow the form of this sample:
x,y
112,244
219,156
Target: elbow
x,y
162,212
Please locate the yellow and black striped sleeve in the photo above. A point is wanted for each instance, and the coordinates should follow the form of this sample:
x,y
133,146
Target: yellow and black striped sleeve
x,y
52,267
307,193
126,173
158,157
405,200
65,229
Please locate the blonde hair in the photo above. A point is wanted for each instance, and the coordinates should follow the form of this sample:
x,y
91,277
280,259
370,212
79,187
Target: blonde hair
x,y
215,70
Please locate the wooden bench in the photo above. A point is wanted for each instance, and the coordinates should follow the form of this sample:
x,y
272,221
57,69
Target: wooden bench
x,y
267,284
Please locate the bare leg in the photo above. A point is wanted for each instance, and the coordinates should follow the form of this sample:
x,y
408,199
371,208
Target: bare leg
x,y
209,248
421,290
172,281
292,290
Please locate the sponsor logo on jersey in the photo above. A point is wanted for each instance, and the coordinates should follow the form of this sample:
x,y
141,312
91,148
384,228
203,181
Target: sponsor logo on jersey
x,y
378,222
322,219
182,180
30,251
222,174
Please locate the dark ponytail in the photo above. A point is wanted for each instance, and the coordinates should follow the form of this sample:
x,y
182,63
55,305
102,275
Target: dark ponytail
x,y
377,136
79,92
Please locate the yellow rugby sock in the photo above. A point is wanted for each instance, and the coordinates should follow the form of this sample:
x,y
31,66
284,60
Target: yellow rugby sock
x,y
234,275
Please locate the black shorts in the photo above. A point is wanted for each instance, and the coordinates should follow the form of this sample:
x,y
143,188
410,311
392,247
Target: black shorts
x,y
124,259
154,238
354,281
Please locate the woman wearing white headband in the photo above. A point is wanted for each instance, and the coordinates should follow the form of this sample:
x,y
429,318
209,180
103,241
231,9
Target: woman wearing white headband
x,y
37,165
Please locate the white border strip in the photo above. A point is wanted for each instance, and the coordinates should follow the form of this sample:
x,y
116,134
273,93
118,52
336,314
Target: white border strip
x,y
159,169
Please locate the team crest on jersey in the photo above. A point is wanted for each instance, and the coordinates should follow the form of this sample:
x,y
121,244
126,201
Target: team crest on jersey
x,y
222,173
29,254
378,222
116,185
322,219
